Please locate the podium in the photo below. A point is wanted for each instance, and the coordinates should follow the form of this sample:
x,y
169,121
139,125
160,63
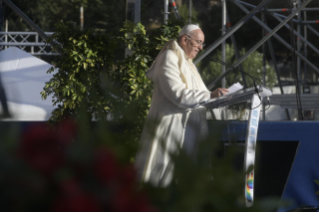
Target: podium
x,y
253,95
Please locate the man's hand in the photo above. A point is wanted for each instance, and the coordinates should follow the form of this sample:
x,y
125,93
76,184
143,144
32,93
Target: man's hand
x,y
218,92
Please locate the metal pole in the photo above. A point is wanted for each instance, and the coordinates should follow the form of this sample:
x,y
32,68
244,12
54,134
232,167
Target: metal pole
x,y
231,31
6,36
316,33
298,47
81,17
273,57
36,38
305,46
296,21
233,40
313,30
137,11
280,9
286,9
35,41
282,40
190,11
297,34
224,19
264,63
271,33
173,3
1,16
306,22
165,11
31,23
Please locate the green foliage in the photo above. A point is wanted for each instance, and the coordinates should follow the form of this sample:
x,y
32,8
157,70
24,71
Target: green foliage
x,y
85,55
129,74
184,13
251,65
68,168
86,73
84,166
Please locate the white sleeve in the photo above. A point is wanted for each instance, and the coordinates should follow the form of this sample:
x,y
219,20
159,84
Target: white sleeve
x,y
171,84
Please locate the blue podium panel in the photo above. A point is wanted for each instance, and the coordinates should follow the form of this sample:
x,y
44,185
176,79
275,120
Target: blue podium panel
x,y
300,186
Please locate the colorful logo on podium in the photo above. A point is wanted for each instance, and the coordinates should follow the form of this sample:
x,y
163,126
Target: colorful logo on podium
x,y
250,187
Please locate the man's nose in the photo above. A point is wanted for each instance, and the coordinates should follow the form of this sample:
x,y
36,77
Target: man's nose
x,y
200,47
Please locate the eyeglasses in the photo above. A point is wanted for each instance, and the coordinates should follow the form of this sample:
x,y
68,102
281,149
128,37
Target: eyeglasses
x,y
199,43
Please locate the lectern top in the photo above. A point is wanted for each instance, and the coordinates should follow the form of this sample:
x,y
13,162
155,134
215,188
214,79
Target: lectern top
x,y
237,97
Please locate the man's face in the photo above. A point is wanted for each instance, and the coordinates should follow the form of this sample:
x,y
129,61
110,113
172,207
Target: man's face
x,y
193,43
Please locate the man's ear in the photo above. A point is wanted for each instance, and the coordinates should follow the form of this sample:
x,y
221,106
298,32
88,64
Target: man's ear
x,y
184,38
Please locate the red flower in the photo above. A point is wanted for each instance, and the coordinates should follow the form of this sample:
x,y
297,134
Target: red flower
x,y
41,149
122,200
74,199
121,183
66,131
106,166
127,176
70,187
142,204
127,200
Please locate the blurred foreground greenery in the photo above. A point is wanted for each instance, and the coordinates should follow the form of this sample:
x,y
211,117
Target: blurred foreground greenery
x,y
80,165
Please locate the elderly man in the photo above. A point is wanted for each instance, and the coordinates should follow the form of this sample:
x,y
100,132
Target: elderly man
x,y
175,120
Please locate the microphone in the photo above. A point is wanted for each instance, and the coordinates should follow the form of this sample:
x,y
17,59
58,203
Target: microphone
x,y
252,77
228,65
236,69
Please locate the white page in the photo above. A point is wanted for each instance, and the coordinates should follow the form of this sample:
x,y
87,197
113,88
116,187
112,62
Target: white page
x,y
235,87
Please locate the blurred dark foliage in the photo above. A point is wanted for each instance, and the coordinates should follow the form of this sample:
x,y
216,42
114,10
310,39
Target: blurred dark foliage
x,y
55,169
80,166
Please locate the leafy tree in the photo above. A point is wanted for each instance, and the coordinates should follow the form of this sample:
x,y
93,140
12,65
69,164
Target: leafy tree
x,y
85,54
184,13
129,75
251,65
86,73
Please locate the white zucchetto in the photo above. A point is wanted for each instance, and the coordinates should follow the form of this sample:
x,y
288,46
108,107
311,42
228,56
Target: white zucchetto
x,y
188,28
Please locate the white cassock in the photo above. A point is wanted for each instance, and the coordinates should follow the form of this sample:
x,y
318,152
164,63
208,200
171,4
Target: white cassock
x,y
175,119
